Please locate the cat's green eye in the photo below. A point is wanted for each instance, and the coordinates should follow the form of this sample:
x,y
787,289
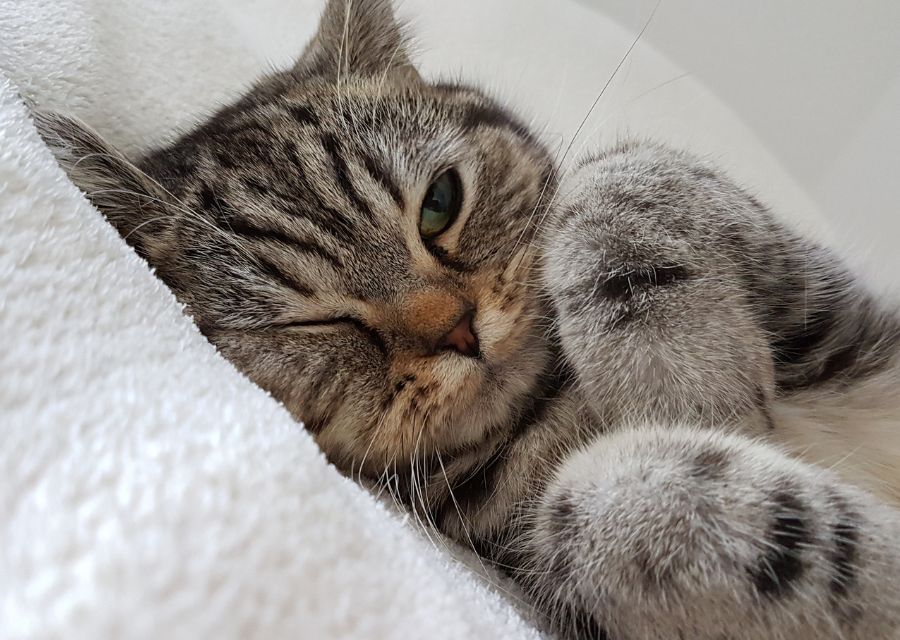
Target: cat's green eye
x,y
441,204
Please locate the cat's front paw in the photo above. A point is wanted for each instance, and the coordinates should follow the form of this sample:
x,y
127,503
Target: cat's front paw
x,y
668,533
650,305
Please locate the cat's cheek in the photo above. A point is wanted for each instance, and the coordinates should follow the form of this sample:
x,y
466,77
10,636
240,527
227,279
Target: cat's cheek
x,y
504,319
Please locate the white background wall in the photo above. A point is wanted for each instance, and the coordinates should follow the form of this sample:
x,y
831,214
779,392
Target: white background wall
x,y
817,80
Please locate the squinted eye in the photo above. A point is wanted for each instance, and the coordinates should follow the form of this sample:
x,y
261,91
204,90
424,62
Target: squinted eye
x,y
441,204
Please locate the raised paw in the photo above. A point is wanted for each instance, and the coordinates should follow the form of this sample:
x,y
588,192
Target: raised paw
x,y
688,533
680,297
652,308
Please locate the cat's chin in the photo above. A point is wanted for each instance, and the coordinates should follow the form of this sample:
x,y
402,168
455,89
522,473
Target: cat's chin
x,y
452,403
496,385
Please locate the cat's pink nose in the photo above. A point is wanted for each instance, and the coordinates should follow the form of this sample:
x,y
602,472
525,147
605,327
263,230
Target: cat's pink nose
x,y
462,337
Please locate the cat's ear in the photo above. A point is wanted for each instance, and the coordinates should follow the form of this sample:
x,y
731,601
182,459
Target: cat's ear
x,y
358,37
135,204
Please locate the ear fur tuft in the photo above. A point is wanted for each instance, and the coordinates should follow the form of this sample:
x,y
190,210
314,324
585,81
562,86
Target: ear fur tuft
x,y
134,203
358,37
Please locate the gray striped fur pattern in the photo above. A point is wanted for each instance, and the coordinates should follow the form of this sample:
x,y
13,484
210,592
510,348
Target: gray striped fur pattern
x,y
663,370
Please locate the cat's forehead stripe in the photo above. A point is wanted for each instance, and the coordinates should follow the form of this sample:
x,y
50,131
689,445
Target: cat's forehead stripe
x,y
303,114
379,174
491,116
335,151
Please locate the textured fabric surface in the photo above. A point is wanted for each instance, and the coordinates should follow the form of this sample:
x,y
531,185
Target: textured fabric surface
x,y
147,489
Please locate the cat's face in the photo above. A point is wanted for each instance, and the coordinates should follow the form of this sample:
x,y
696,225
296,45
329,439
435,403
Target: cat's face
x,y
392,328
360,243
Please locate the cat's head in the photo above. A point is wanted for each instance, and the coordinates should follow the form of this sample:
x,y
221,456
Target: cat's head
x,y
358,241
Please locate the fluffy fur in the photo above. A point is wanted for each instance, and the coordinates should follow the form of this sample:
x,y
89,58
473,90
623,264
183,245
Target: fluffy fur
x,y
648,332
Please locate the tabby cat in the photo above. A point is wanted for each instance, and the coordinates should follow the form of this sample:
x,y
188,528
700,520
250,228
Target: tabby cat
x,y
590,377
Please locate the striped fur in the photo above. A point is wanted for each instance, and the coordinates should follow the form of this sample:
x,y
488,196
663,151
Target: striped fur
x,y
646,343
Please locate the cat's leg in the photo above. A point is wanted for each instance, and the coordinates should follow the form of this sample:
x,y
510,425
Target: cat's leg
x,y
694,533
680,297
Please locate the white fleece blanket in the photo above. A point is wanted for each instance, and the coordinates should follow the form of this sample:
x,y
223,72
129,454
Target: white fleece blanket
x,y
147,489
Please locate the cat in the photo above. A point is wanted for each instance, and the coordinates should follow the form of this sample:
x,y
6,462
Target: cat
x,y
589,376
